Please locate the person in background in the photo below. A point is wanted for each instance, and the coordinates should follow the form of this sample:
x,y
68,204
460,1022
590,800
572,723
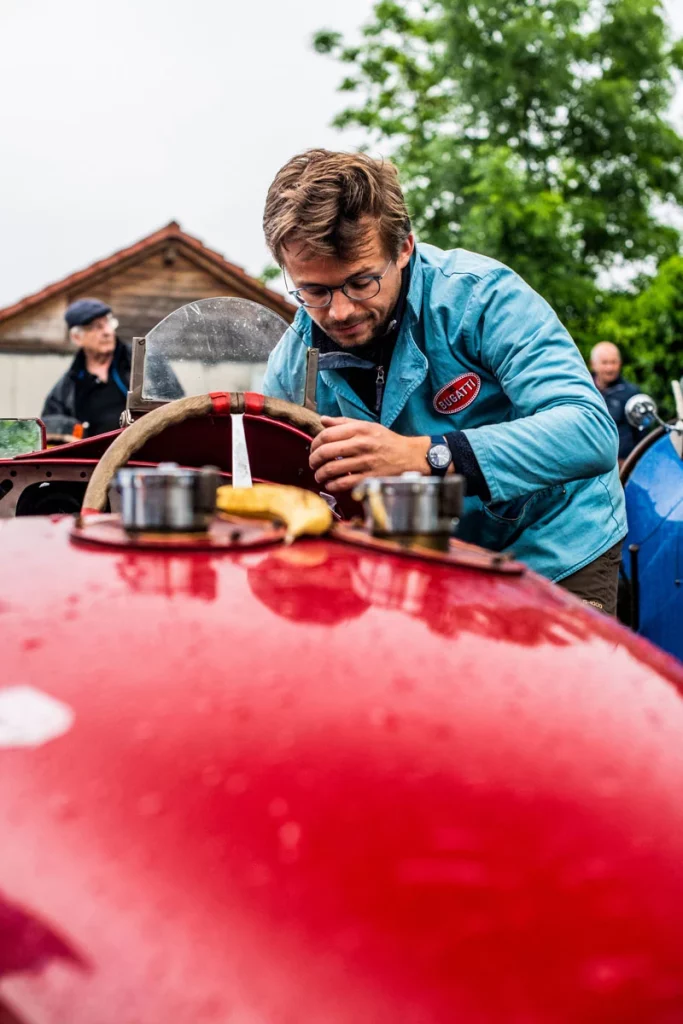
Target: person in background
x,y
605,363
93,390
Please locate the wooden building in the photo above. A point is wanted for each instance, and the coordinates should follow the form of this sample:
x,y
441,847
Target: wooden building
x,y
142,283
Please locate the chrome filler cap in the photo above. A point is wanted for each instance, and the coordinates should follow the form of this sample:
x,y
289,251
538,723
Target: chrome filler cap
x,y
167,499
412,507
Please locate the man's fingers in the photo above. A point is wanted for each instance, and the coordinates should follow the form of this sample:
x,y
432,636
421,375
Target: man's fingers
x,y
339,432
331,421
345,449
341,467
344,483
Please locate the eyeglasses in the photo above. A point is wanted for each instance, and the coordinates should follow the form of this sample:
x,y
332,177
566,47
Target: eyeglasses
x,y
102,321
358,289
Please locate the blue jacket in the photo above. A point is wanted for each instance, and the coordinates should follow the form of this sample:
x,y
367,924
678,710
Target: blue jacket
x,y
480,351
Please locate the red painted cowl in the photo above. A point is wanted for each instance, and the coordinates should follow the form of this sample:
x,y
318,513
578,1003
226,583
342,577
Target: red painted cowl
x,y
326,784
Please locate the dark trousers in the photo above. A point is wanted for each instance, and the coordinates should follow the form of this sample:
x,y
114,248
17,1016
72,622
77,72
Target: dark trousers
x,y
597,582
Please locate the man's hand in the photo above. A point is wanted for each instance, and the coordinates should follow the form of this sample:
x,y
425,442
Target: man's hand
x,y
348,450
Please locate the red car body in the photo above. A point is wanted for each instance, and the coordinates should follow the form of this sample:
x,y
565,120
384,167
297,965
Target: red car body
x,y
327,783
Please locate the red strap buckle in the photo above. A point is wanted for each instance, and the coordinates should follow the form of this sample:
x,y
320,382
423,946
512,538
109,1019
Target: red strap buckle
x,y
254,403
220,402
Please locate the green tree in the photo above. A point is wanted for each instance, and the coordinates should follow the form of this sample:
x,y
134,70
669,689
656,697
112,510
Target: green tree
x,y
648,326
530,130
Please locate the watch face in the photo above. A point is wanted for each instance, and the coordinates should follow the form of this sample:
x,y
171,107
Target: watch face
x,y
439,456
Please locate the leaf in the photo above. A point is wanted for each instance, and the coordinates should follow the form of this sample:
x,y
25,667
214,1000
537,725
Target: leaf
x,y
326,41
269,273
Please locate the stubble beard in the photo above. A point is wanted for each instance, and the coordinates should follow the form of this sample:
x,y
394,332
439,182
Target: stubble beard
x,y
377,332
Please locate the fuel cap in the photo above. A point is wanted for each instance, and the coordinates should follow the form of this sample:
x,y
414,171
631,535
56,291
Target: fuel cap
x,y
412,506
167,498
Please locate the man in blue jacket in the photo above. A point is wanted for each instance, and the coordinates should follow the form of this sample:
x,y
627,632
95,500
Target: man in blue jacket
x,y
442,362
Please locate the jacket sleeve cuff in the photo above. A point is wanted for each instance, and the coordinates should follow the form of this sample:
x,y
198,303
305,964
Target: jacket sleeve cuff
x,y
465,462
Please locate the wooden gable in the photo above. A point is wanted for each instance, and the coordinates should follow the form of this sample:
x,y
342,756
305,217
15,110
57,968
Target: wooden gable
x,y
142,284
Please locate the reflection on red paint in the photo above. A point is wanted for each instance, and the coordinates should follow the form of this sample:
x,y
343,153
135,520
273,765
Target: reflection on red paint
x,y
26,944
296,586
148,573
330,584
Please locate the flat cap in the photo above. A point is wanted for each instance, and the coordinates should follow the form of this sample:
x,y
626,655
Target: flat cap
x,y
84,311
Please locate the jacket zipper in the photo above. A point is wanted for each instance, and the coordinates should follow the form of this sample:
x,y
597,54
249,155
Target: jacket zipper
x,y
379,389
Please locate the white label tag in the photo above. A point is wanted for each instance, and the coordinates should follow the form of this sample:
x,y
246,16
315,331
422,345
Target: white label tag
x,y
241,470
29,717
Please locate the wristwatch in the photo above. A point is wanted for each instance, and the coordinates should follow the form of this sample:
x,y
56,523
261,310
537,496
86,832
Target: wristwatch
x,y
439,455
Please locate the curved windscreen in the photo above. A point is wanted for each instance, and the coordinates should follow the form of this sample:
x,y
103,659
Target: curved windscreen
x,y
219,344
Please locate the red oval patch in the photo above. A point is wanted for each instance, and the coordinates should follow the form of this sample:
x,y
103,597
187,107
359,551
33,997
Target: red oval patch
x,y
457,394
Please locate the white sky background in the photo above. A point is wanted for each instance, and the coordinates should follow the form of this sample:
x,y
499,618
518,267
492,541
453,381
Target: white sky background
x,y
116,118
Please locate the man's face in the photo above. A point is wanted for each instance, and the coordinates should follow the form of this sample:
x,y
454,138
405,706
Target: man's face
x,y
98,338
606,363
350,322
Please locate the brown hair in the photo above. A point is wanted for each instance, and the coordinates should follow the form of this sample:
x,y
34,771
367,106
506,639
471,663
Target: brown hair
x,y
320,198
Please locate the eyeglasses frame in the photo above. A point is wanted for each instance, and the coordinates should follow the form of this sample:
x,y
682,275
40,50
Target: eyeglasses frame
x,y
339,288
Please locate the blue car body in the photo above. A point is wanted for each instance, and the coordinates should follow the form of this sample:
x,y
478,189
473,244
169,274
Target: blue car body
x,y
653,549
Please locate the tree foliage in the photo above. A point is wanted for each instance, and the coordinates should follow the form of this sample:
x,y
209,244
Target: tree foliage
x,y
648,327
533,131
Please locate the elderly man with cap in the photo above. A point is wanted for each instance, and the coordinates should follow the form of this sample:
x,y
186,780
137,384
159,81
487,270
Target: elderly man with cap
x,y
93,390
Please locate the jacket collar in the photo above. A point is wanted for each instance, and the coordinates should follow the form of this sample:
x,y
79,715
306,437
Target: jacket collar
x,y
416,289
408,367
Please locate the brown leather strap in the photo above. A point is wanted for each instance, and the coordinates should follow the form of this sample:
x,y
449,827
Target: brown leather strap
x,y
153,423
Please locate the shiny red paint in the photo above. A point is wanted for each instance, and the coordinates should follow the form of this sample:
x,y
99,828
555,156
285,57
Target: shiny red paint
x,y
319,783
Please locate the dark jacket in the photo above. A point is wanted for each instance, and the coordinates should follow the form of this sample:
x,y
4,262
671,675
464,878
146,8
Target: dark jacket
x,y
59,411
616,396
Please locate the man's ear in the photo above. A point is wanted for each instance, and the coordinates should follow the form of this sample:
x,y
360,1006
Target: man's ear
x,y
76,337
406,251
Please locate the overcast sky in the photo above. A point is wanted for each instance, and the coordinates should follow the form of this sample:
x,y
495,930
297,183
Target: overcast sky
x,y
117,118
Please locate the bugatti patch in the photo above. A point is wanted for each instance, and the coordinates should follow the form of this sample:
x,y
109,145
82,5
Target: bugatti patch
x,y
457,394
